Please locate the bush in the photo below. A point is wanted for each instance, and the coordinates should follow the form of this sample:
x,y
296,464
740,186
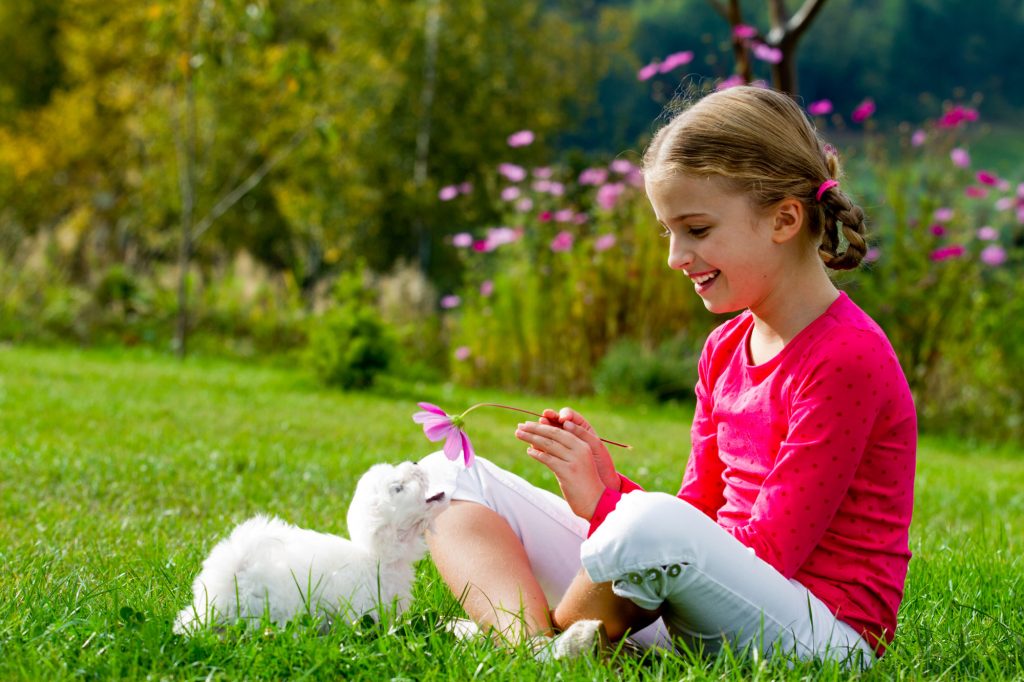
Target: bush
x,y
630,372
349,343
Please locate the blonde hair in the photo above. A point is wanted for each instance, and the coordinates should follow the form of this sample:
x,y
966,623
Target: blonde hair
x,y
760,143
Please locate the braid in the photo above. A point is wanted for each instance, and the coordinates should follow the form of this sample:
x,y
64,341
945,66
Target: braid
x,y
839,210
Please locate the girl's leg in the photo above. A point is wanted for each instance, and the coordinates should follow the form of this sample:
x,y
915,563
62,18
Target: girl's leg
x,y
484,563
587,600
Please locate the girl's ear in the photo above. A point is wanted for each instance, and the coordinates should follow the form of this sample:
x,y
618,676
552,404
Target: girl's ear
x,y
788,220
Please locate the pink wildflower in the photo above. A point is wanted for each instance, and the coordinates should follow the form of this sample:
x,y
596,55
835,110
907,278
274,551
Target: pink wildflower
x,y
541,185
986,178
822,107
604,242
943,215
510,194
622,166
730,82
544,216
872,255
524,205
947,253
648,72
593,176
960,157
462,353
438,425
543,172
481,246
743,31
486,288
450,301
564,216
918,138
675,60
463,240
512,172
608,195
448,192
522,138
987,233
864,111
499,236
937,230
993,255
465,187
556,189
975,192
580,218
562,242
767,53
957,116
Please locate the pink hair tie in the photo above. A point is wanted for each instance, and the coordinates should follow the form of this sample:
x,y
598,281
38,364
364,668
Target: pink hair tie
x,y
824,187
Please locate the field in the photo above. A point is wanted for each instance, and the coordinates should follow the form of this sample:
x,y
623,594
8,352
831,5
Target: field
x,y
121,468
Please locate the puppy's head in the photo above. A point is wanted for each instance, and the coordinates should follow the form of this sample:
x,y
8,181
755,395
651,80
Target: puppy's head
x,y
391,510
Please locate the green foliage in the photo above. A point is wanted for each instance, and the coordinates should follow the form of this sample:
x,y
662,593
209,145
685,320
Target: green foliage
x,y
349,344
629,372
122,469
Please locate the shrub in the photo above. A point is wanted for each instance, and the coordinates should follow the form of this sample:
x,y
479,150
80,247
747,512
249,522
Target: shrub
x,y
631,372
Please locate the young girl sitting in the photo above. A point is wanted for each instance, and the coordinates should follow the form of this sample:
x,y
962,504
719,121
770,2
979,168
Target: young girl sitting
x,y
789,532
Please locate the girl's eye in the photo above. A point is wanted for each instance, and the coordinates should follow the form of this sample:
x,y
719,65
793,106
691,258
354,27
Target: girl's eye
x,y
698,232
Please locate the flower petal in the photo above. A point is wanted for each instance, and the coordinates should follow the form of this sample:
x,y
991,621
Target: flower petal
x,y
437,430
433,408
453,446
467,450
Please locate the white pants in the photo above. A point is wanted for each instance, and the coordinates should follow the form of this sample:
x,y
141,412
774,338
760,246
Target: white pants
x,y
657,550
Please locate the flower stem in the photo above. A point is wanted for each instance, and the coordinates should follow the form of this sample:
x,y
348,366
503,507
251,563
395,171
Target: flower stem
x,y
519,409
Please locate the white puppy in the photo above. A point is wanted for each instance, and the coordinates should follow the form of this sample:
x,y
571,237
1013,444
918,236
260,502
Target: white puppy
x,y
269,566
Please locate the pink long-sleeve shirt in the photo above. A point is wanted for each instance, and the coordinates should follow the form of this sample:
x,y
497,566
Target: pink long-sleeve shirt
x,y
809,460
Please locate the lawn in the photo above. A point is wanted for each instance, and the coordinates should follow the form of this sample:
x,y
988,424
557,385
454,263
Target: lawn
x,y
120,469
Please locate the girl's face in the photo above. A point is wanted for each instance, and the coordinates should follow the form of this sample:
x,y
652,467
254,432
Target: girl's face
x,y
727,248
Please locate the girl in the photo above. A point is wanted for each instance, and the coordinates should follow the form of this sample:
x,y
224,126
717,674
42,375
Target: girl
x,y
789,532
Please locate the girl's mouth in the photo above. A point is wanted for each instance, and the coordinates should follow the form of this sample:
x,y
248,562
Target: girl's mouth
x,y
703,281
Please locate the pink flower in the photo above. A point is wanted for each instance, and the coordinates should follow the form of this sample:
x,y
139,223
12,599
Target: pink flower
x,y
918,138
450,301
986,178
541,186
975,192
822,107
524,205
937,230
580,218
987,233
463,240
465,187
730,82
957,116
608,195
871,255
1005,204
462,353
993,255
960,157
437,425
564,216
864,111
648,72
486,288
448,193
675,60
943,215
947,253
512,172
499,236
522,138
510,194
593,176
562,241
743,31
556,189
480,246
544,216
604,242
767,53
622,166
542,172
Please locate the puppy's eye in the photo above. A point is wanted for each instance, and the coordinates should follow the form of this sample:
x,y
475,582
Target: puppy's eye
x,y
395,489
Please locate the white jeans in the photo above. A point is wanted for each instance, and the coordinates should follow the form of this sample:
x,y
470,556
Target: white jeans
x,y
657,550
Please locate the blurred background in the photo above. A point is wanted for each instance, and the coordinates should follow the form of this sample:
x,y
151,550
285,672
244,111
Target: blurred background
x,y
432,191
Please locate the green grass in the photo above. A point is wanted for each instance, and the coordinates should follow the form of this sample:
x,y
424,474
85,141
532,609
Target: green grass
x,y
119,470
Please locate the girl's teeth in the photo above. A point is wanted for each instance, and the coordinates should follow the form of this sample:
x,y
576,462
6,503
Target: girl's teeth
x,y
705,278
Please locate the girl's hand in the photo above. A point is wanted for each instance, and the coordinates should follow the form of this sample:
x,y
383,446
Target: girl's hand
x,y
599,451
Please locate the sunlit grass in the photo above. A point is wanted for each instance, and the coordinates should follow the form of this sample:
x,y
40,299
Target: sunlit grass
x,y
119,469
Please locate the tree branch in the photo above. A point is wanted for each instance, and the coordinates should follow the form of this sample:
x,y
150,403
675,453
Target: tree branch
x,y
803,17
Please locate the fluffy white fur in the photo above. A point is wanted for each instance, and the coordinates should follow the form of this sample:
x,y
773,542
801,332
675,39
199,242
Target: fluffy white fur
x,y
269,566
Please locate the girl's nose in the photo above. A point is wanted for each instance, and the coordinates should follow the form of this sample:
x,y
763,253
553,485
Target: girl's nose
x,y
679,256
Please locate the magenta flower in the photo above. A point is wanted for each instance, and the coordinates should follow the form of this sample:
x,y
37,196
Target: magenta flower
x,y
993,255
523,138
512,172
608,195
960,157
947,253
767,53
864,111
675,60
462,353
593,176
448,193
562,242
556,189
622,166
648,72
604,242
743,31
822,107
544,216
872,255
975,192
937,230
465,187
986,178
524,205
463,240
510,194
541,186
565,215
957,116
943,215
438,425
730,82
450,301
918,138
